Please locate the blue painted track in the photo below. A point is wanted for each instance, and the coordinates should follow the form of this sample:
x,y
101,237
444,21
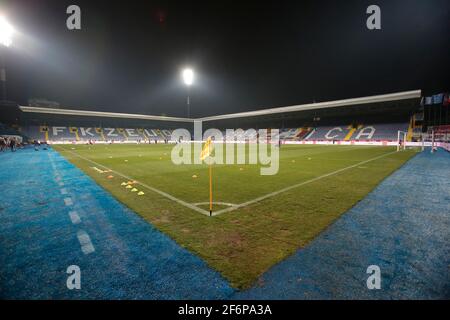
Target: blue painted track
x,y
38,241
403,226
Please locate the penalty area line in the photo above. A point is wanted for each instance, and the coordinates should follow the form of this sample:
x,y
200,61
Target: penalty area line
x,y
162,193
272,194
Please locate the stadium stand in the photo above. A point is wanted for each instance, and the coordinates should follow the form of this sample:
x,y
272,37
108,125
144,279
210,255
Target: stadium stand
x,y
8,130
94,134
349,120
380,131
295,133
328,133
373,132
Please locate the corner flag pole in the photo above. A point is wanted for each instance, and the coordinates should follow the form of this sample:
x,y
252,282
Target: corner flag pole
x,y
206,152
210,189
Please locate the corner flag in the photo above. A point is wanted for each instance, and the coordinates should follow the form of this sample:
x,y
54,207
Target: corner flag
x,y
206,152
207,149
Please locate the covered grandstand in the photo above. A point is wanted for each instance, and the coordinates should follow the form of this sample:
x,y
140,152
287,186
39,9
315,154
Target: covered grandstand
x,y
373,118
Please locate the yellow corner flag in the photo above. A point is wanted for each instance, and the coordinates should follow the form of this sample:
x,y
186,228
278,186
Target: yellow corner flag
x,y
206,152
207,149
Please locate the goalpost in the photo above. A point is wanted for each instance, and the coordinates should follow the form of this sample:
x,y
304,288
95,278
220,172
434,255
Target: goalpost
x,y
433,144
401,140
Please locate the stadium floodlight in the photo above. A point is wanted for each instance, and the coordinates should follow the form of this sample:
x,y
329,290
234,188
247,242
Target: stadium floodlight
x,y
6,32
188,76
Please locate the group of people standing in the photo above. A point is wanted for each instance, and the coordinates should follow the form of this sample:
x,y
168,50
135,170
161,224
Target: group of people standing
x,y
9,142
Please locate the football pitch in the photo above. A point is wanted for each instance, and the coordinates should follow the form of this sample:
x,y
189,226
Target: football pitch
x,y
259,220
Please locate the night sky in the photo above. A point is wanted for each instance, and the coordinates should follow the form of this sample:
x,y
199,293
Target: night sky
x,y
247,55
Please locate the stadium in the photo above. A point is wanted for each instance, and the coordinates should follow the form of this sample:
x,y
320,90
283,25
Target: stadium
x,y
339,199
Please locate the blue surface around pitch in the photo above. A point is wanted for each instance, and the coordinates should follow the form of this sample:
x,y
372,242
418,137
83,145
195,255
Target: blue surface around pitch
x,y
38,241
403,226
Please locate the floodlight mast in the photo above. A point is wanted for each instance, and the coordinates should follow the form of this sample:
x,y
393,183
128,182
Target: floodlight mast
x,y
6,33
188,79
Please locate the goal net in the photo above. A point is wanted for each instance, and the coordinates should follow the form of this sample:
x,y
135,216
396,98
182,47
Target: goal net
x,y
401,140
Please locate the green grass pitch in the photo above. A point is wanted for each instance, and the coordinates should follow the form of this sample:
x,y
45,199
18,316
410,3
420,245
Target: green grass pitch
x,y
244,243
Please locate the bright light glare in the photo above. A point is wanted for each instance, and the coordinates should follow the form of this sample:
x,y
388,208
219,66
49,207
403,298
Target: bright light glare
x,y
188,76
6,32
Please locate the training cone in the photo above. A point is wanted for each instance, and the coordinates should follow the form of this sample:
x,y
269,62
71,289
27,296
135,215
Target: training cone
x,y
123,184
194,176
128,187
110,177
140,193
134,190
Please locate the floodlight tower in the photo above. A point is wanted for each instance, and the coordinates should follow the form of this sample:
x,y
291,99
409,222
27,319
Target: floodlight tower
x,y
6,33
188,79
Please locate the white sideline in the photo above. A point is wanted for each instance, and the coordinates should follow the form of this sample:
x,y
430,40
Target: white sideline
x,y
85,242
68,201
74,217
244,204
162,193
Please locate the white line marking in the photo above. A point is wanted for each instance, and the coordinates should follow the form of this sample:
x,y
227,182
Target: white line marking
x,y
219,203
162,193
98,170
85,242
74,217
68,201
63,191
244,204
